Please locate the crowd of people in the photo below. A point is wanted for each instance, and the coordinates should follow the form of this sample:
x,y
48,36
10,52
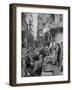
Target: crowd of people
x,y
34,60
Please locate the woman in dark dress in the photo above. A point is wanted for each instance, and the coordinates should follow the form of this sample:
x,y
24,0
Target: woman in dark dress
x,y
58,53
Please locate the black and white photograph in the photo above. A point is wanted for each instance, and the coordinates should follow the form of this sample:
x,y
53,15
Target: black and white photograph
x,y
41,44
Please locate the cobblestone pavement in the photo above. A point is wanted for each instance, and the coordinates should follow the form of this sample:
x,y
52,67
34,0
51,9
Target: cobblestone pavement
x,y
52,70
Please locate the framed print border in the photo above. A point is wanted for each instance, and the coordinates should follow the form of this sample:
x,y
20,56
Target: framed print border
x,y
12,62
